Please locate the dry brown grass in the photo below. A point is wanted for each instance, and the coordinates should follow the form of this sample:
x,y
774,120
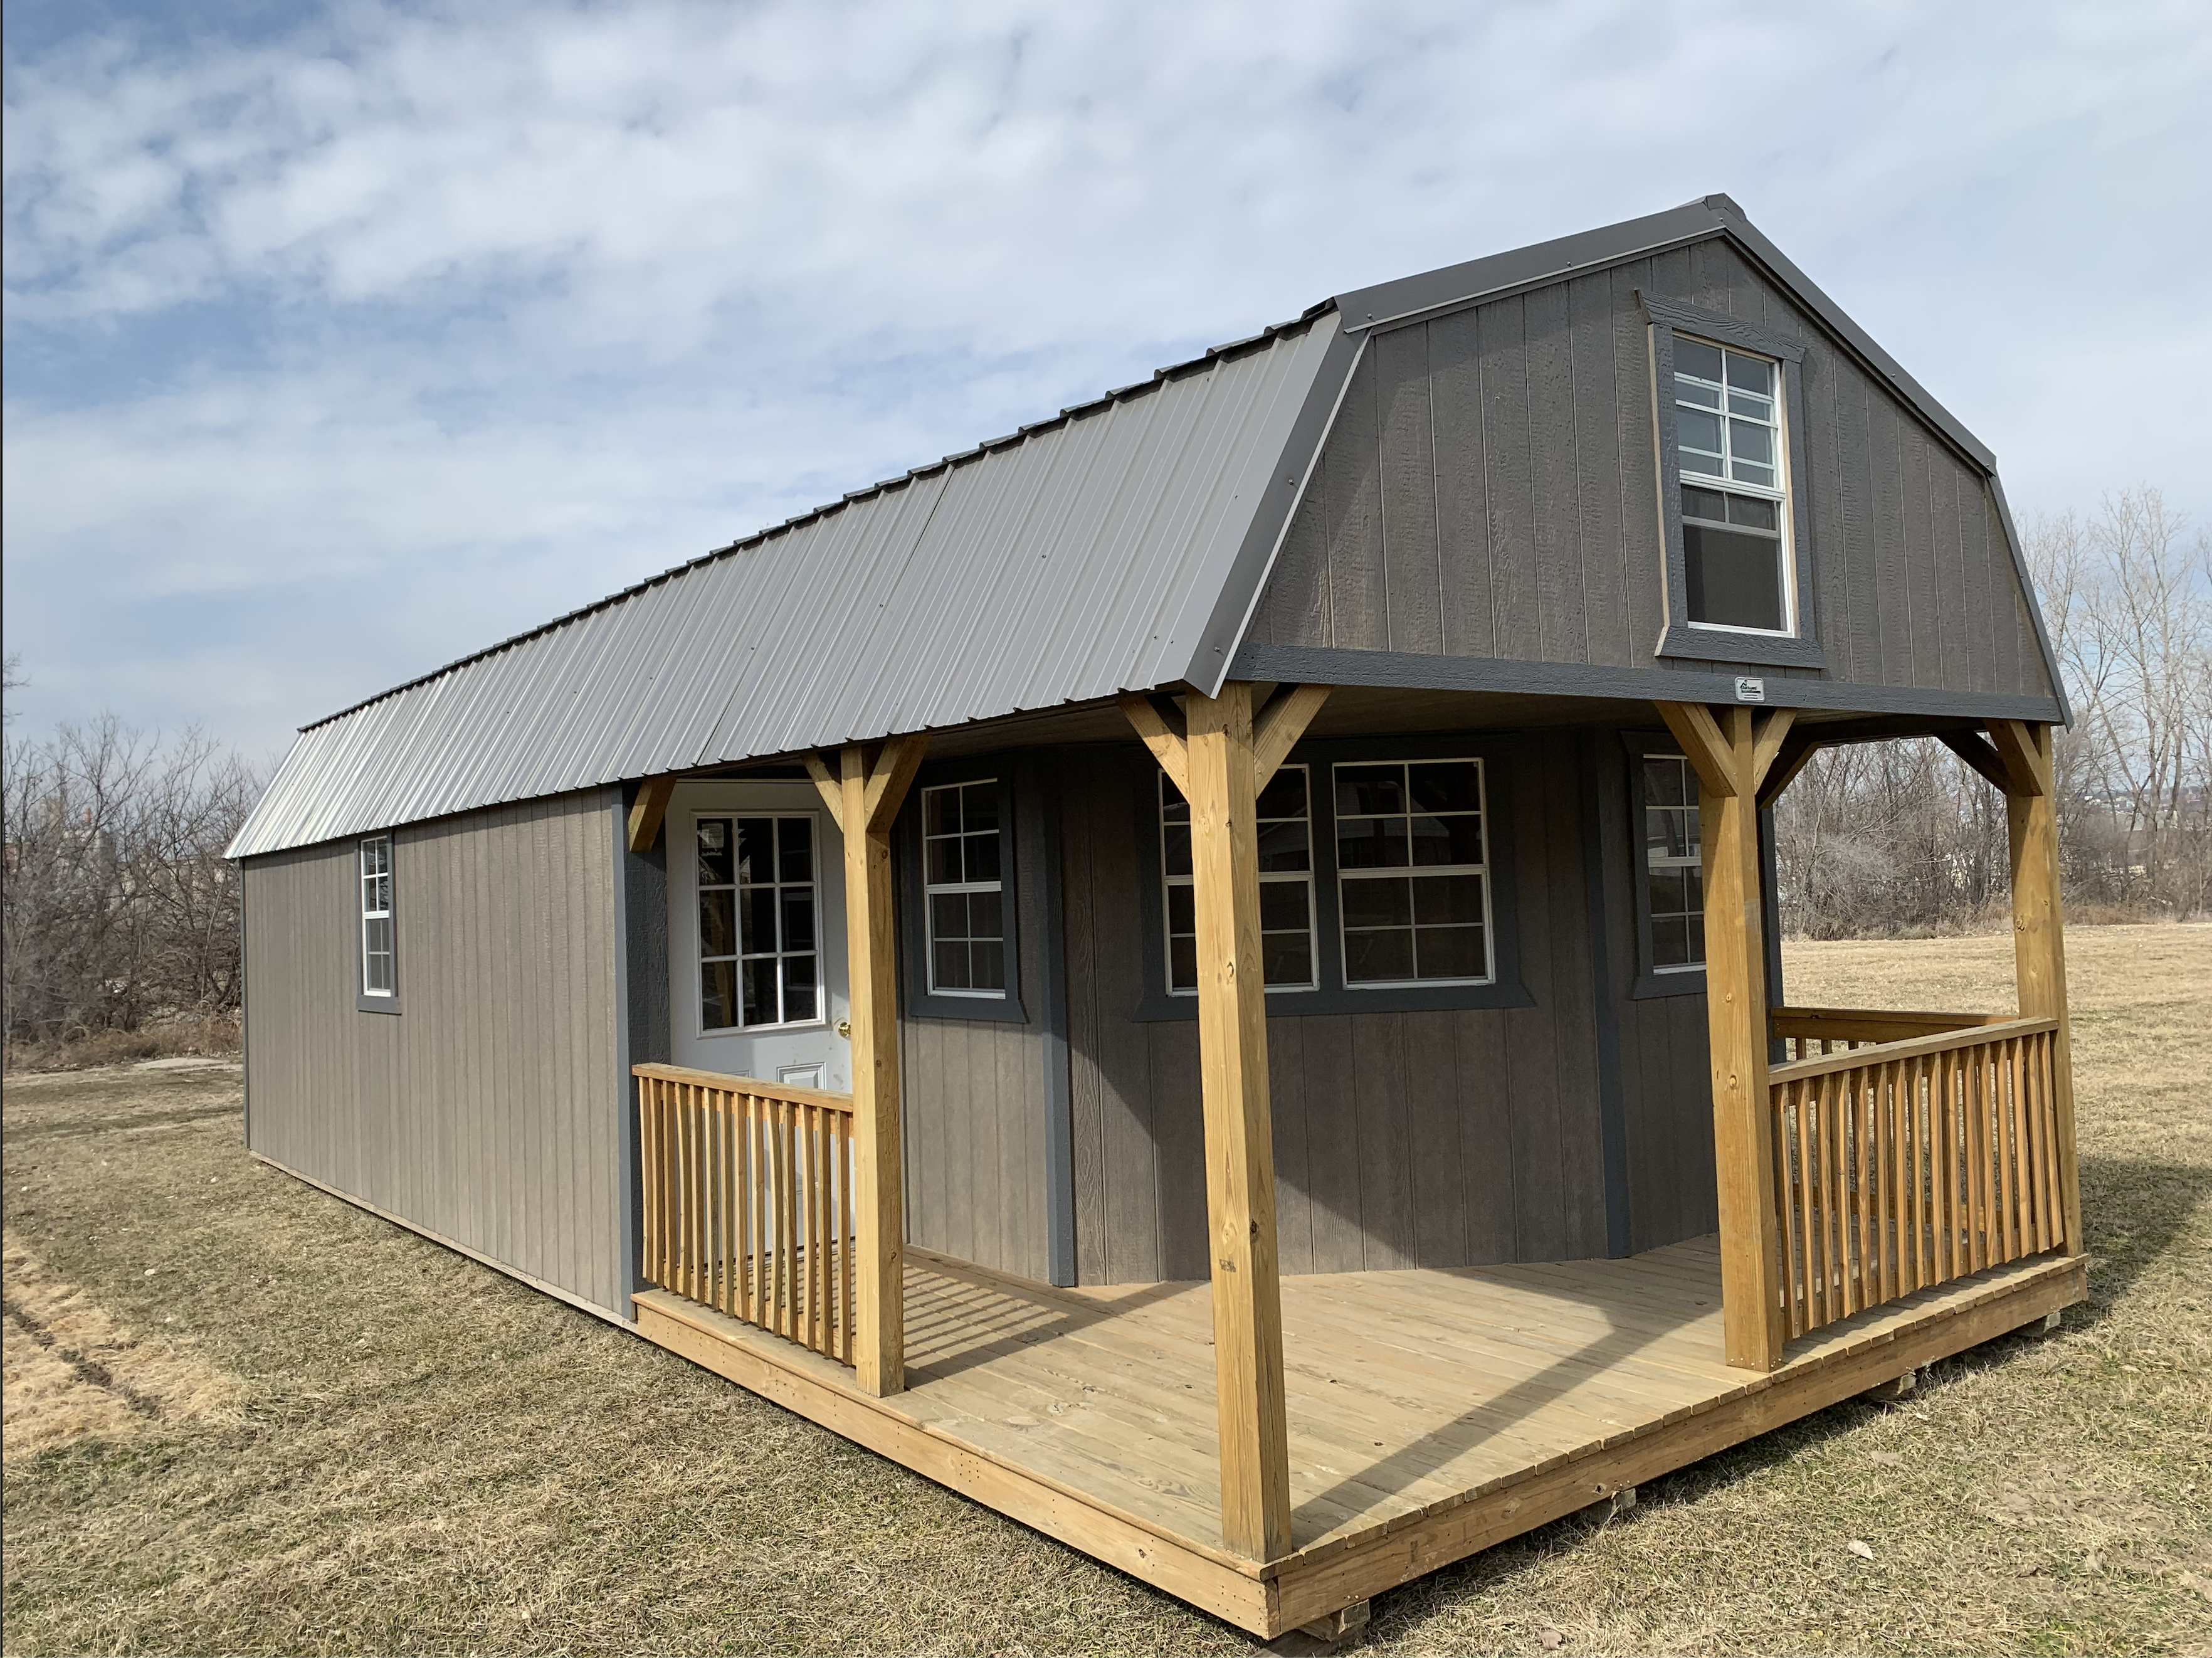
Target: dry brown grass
x,y
429,1456
215,1036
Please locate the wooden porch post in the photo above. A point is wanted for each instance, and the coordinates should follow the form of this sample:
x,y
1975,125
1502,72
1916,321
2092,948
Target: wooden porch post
x,y
1731,757
864,801
1221,766
2039,931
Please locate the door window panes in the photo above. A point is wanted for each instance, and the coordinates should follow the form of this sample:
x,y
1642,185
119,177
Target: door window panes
x,y
759,948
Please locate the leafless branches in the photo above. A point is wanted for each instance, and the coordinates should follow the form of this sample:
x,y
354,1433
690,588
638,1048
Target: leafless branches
x,y
1902,837
118,906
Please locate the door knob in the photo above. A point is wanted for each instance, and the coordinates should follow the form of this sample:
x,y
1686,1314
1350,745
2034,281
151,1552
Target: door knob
x,y
844,1027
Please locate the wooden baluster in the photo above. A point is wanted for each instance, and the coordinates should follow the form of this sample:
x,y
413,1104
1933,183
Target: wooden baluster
x,y
2005,1246
849,1229
1975,1073
2046,1174
1866,1293
1923,1167
786,1221
1793,1315
813,1120
2023,1197
1814,1290
1888,1183
1835,1209
754,1309
725,1197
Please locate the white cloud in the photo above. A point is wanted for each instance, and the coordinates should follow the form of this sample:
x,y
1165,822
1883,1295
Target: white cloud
x,y
452,318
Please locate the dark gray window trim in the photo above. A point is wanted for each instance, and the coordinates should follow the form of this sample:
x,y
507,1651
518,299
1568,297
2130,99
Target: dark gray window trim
x,y
362,1001
1495,751
1681,639
1650,984
920,1002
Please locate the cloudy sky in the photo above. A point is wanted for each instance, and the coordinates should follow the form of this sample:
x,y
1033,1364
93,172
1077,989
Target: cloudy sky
x,y
341,341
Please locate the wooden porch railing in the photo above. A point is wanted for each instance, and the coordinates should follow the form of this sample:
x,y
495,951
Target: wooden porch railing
x,y
1909,1163
749,1200
1812,1032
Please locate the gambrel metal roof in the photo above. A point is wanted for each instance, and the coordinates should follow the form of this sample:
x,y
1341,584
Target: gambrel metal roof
x,y
1121,545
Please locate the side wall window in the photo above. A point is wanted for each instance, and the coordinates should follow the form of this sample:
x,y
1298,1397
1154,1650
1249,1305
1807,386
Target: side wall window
x,y
1379,888
1286,894
964,895
1666,872
379,990
959,894
1673,879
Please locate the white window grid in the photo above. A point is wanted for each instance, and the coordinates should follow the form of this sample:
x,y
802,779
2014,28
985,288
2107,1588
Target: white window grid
x,y
1175,812
1481,870
1671,843
1731,406
378,946
962,835
780,891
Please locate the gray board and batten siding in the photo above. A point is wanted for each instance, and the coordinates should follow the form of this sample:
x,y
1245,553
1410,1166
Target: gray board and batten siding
x,y
1418,1139
983,1102
489,1114
1489,489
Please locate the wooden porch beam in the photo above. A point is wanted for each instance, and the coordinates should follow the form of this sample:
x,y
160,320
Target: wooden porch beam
x,y
1735,1009
869,799
1281,725
1169,747
1222,785
1703,746
1797,751
2026,756
1974,749
647,811
1766,744
2039,934
826,784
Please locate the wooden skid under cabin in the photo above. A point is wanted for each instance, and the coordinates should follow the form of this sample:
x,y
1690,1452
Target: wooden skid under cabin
x,y
1204,973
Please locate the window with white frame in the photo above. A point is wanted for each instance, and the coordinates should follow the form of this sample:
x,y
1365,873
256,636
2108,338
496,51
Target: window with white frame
x,y
963,897
1728,426
759,954
1673,879
378,944
1412,874
1286,896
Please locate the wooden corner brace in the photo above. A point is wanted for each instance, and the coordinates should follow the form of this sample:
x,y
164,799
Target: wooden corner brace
x,y
1275,732
647,811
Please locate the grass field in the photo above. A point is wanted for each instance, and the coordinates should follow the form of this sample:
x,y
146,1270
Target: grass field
x,y
293,1428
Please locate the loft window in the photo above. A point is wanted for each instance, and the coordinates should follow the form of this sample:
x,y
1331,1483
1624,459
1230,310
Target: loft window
x,y
1286,896
759,957
380,960
1413,873
1728,426
1673,880
963,889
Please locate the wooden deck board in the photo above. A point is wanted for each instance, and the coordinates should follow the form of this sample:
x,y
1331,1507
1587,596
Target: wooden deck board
x,y
1430,1413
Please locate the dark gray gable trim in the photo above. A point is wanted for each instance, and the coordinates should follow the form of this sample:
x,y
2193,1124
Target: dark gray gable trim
x,y
1416,670
1680,637
1803,288
2034,608
1246,576
1411,299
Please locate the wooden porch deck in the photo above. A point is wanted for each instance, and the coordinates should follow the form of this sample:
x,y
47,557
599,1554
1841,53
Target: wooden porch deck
x,y
1431,1413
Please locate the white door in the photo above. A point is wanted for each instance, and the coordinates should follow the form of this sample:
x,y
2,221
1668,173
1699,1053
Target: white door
x,y
756,934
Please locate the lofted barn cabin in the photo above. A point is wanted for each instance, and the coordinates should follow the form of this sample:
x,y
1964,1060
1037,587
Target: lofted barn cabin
x,y
1204,973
